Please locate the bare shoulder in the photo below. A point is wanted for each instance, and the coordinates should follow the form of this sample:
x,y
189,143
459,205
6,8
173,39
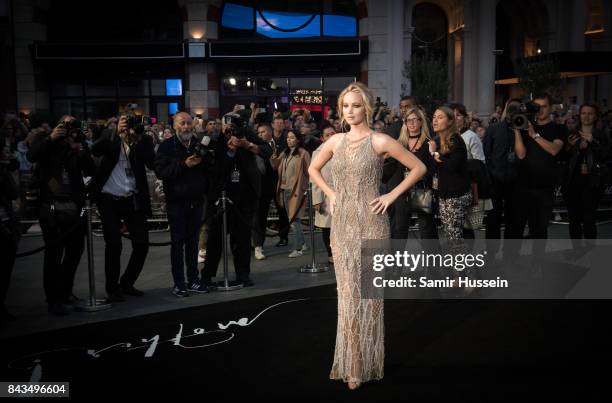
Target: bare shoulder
x,y
334,141
381,142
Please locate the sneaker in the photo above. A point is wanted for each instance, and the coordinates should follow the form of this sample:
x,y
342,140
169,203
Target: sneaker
x,y
296,253
259,255
180,292
202,256
198,287
304,248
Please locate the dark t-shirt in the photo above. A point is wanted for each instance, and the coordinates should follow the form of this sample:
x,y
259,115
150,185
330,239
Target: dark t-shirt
x,y
539,168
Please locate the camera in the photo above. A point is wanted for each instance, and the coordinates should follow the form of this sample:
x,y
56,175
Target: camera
x,y
203,150
235,125
378,103
74,130
137,122
527,112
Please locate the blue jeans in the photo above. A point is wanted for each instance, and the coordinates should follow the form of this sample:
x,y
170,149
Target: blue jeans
x,y
297,223
184,219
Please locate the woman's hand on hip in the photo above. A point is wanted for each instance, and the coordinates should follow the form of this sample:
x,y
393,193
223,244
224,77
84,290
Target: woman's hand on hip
x,y
382,203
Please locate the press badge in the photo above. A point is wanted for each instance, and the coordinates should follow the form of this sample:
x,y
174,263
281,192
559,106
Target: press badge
x,y
235,176
584,169
434,183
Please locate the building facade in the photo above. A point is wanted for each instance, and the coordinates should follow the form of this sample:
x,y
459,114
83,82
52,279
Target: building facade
x,y
205,56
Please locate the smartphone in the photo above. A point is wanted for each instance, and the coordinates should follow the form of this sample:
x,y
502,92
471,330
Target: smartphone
x,y
241,107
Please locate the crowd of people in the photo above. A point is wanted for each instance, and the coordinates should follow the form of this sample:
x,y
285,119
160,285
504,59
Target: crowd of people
x,y
475,168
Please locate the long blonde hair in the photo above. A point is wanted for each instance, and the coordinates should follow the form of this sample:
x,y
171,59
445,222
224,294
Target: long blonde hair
x,y
444,139
425,135
366,96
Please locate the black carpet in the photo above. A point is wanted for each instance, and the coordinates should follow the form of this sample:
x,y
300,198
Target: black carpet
x,y
435,350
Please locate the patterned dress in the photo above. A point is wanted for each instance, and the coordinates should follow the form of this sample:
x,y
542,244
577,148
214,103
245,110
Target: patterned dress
x,y
356,176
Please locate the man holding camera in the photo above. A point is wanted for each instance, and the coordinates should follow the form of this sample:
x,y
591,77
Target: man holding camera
x,y
123,195
537,149
236,172
183,162
63,160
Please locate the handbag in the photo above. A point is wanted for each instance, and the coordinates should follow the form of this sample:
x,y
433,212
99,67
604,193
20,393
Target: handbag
x,y
474,216
421,199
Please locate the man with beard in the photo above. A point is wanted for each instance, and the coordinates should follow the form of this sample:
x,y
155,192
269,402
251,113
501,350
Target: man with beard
x,y
184,171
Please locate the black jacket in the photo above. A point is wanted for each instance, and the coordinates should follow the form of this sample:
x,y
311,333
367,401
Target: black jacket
x,y
249,187
142,156
393,170
498,145
181,183
594,156
52,157
453,174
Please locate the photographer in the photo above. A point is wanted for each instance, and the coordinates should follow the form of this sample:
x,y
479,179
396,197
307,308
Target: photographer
x,y
9,233
587,174
236,172
183,163
537,149
501,161
122,193
63,160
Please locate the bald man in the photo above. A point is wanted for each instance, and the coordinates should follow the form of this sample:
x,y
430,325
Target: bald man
x,y
184,173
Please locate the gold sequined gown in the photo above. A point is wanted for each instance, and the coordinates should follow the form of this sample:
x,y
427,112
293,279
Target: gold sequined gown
x,y
356,176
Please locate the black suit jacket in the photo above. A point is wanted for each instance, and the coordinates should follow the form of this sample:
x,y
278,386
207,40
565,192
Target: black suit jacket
x,y
52,156
249,189
142,156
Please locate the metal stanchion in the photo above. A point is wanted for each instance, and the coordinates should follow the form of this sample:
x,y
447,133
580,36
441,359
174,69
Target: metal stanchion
x,y
313,267
93,304
225,285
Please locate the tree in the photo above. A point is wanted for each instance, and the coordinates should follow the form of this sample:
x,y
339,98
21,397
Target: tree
x,y
540,74
429,77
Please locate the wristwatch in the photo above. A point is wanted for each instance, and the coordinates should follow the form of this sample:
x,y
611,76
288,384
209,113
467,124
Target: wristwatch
x,y
535,137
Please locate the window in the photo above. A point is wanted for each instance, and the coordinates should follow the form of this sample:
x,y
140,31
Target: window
x,y
133,87
101,88
272,86
174,87
172,108
288,19
104,98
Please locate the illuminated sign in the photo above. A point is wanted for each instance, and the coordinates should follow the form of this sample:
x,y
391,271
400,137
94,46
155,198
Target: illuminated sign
x,y
307,97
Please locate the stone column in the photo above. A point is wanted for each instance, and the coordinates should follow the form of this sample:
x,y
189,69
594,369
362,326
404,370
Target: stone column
x,y
198,97
408,32
395,54
486,58
470,58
